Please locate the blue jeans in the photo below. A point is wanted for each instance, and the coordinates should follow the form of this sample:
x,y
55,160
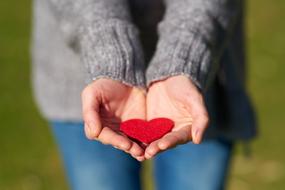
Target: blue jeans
x,y
91,165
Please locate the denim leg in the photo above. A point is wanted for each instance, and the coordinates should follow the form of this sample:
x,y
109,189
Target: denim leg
x,y
194,167
91,165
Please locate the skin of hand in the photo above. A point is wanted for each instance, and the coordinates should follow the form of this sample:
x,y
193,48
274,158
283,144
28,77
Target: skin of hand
x,y
105,104
179,99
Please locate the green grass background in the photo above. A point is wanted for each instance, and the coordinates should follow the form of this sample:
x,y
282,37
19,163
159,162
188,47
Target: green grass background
x,y
28,156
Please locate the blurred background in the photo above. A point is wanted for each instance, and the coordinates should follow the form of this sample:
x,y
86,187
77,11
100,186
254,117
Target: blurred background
x,y
29,159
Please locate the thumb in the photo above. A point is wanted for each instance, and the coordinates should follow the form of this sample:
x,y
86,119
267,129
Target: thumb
x,y
90,110
199,125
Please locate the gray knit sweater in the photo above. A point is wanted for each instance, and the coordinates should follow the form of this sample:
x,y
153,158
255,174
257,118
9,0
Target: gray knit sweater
x,y
77,41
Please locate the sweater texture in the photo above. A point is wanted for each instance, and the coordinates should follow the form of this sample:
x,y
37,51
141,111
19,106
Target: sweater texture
x,y
138,42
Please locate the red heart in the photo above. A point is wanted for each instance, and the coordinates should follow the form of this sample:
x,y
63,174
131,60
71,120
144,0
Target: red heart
x,y
146,131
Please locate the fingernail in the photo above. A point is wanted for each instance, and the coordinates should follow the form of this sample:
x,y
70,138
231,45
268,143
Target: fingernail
x,y
197,138
88,131
162,145
92,129
89,128
140,159
148,156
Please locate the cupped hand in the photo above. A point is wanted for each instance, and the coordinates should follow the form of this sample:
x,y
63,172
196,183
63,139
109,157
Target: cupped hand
x,y
179,99
105,104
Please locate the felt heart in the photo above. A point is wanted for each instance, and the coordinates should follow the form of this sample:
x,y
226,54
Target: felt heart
x,y
146,131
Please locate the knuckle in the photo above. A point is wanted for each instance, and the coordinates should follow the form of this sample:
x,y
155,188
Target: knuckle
x,y
125,146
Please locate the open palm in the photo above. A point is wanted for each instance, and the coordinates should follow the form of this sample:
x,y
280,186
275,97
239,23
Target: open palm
x,y
106,103
176,98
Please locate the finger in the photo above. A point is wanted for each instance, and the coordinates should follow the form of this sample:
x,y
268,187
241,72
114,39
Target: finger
x,y
92,125
140,158
174,138
136,150
200,123
151,150
154,148
90,110
200,117
168,141
110,137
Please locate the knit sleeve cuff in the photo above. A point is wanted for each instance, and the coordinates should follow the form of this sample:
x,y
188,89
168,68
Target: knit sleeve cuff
x,y
181,53
111,49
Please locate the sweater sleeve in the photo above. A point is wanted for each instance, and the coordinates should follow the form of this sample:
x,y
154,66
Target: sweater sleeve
x,y
192,37
102,33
